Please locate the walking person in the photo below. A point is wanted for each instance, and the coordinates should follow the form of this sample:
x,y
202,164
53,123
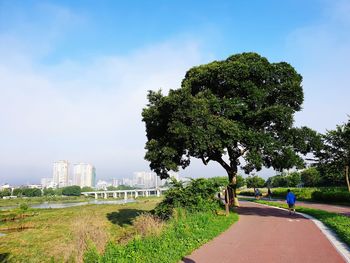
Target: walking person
x,y
269,193
291,201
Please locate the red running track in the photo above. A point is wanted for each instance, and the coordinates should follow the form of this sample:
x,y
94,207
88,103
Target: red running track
x,y
266,234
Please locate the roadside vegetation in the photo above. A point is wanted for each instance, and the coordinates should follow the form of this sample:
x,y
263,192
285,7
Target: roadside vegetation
x,y
189,216
338,223
332,195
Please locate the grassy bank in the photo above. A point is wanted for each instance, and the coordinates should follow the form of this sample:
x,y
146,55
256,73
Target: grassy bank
x,y
181,235
338,223
335,195
61,235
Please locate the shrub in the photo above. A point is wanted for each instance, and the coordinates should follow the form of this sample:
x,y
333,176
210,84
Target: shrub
x,y
331,196
310,177
23,206
198,195
5,192
71,190
255,182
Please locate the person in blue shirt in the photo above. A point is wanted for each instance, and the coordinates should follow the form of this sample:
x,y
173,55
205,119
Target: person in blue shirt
x,y
291,201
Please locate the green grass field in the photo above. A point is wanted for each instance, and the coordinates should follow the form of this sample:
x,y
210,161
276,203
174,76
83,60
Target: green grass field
x,y
182,234
62,235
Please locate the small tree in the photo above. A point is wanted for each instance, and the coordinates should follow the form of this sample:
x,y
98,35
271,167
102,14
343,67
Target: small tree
x,y
49,191
336,150
310,177
71,190
226,111
255,181
5,192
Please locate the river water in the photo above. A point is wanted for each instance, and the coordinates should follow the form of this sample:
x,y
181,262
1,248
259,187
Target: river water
x,y
47,205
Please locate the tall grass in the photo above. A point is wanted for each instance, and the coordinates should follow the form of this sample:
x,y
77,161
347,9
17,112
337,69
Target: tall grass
x,y
182,234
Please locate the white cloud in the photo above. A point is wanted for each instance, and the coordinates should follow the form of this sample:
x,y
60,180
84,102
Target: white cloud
x,y
85,111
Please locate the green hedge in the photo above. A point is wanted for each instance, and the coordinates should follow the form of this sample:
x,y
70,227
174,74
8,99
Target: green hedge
x,y
322,194
331,196
181,236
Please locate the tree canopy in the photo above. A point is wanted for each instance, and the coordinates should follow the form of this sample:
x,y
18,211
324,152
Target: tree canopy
x,y
335,154
237,112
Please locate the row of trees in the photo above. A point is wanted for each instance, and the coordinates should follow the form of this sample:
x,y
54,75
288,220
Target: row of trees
x,y
310,177
67,191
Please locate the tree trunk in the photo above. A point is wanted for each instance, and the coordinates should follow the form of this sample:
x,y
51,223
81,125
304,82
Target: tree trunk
x,y
347,176
232,176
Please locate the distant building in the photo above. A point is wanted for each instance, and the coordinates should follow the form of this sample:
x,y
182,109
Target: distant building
x,y
60,173
84,174
102,185
151,180
33,186
47,183
5,186
117,182
128,181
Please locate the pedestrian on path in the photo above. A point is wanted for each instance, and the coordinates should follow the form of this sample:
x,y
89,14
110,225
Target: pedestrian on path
x,y
269,193
291,201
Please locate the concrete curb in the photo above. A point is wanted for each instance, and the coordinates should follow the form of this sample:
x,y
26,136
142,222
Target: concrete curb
x,y
342,248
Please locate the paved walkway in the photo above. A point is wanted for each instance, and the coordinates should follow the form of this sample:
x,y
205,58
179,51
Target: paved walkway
x,y
266,234
344,210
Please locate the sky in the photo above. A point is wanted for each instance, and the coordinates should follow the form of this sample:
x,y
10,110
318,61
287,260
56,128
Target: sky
x,y
74,75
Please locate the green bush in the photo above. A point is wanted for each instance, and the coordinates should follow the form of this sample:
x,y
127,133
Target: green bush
x,y
5,192
198,195
246,193
73,190
255,181
310,177
331,196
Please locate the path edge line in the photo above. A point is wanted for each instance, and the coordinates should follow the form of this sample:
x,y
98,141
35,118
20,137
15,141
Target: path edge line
x,y
340,246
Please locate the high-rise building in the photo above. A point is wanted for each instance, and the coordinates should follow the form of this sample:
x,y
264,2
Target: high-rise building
x,y
84,174
60,173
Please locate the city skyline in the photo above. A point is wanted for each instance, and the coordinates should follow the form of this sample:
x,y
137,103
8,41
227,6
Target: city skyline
x,y
74,76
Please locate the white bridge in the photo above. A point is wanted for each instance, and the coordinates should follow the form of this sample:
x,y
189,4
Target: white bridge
x,y
126,193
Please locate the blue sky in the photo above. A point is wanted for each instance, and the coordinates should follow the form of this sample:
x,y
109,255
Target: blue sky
x,y
74,74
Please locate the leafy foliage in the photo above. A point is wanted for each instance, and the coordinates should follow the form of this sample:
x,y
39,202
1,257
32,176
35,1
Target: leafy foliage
x,y
5,192
310,177
73,190
49,192
335,155
223,181
255,182
198,195
87,189
242,107
28,192
331,196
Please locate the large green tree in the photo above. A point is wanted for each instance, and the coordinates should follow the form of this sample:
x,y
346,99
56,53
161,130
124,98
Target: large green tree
x,y
335,155
237,112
